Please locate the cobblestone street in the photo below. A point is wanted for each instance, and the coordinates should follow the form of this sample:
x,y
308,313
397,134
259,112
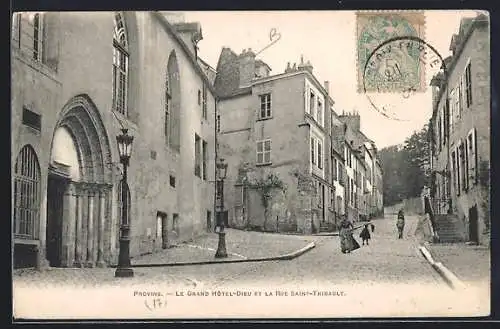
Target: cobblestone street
x,y
387,278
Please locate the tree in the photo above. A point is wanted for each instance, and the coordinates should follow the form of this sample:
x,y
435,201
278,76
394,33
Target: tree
x,y
406,167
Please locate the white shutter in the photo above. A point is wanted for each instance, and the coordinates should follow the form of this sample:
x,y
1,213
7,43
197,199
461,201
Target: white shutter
x,y
467,167
473,156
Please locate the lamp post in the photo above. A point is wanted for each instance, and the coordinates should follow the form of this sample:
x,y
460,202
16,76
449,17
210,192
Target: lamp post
x,y
124,269
221,175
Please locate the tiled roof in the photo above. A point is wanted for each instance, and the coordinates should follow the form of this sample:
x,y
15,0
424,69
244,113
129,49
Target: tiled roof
x,y
228,76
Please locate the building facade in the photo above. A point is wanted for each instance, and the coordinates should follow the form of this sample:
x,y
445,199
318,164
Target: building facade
x,y
282,129
460,131
274,125
77,80
364,172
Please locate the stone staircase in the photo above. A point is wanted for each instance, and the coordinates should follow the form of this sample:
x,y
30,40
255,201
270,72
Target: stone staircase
x,y
449,228
326,227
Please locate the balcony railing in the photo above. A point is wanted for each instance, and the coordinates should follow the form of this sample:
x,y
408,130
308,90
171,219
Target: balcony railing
x,y
440,206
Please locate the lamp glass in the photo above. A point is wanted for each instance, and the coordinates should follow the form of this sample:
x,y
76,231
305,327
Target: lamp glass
x,y
221,169
124,144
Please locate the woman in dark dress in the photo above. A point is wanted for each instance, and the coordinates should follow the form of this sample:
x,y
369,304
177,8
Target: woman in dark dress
x,y
345,235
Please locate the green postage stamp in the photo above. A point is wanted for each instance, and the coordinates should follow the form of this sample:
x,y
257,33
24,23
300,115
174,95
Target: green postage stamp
x,y
382,66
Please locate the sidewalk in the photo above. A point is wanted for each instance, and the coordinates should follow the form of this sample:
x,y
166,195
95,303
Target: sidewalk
x,y
93,278
240,245
471,264
357,225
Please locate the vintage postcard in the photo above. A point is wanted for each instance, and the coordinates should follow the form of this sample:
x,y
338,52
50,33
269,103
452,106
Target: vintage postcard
x,y
250,164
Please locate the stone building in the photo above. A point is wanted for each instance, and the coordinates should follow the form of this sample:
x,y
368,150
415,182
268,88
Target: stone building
x,y
378,188
364,191
460,133
274,135
282,130
77,80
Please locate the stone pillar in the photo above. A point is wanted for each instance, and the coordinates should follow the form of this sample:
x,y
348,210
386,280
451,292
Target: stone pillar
x,y
68,226
90,230
85,216
78,228
41,261
101,231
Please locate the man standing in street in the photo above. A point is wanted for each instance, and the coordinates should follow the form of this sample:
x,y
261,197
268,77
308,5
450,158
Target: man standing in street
x,y
400,223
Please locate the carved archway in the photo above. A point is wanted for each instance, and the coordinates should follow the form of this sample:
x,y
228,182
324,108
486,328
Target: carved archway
x,y
78,209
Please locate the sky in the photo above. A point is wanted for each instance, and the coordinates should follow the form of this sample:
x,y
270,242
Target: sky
x,y
328,40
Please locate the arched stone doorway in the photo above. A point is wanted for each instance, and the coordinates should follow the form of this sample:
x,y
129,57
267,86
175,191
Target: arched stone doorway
x,y
79,188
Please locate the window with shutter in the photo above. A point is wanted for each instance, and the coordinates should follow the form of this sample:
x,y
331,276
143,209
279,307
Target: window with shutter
x,y
468,86
313,157
454,170
320,156
472,155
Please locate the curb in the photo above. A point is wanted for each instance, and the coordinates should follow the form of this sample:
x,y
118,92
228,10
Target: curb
x,y
451,279
289,256
337,233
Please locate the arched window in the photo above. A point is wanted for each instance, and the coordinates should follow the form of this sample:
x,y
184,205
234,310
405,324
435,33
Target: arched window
x,y
174,105
120,65
26,194
168,96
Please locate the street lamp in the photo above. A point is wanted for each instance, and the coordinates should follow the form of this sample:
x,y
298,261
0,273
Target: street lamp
x,y
124,269
221,175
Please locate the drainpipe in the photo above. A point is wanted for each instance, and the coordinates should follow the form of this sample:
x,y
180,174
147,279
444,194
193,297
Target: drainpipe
x,y
215,163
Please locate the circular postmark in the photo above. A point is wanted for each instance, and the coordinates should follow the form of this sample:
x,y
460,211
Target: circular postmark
x,y
396,70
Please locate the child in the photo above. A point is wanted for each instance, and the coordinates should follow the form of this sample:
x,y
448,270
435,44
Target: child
x,y
365,235
373,227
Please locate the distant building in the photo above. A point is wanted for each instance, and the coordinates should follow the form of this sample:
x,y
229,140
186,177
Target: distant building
x,y
366,195
77,79
460,131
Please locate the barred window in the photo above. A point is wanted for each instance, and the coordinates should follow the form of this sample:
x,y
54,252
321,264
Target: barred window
x,y
26,194
27,34
120,65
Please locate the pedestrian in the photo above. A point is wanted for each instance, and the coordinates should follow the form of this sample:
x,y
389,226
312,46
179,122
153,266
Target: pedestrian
x,y
345,235
373,227
400,224
365,235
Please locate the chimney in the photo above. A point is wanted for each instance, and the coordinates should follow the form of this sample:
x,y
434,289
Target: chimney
x,y
309,67
246,67
327,87
352,119
288,68
305,66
